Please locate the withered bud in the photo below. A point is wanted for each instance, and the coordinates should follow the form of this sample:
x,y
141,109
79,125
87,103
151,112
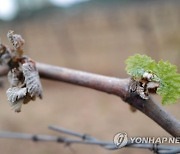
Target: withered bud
x,y
16,40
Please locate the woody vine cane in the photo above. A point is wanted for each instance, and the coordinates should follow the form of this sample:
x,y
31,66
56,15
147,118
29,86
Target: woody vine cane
x,y
115,86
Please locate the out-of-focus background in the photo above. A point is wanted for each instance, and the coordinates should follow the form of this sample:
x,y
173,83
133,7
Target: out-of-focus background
x,y
90,35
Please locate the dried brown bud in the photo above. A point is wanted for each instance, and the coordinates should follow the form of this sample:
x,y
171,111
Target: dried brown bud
x,y
16,40
23,76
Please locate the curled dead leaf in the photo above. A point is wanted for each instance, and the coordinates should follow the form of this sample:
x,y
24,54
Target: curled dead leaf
x,y
32,79
16,96
16,40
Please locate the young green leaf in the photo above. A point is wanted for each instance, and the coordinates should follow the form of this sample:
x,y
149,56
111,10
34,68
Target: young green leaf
x,y
163,73
138,64
170,82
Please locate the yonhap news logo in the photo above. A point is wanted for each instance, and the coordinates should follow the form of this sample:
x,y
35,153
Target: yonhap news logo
x,y
121,139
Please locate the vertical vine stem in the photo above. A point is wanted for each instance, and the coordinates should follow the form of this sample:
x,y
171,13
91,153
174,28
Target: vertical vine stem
x,y
111,85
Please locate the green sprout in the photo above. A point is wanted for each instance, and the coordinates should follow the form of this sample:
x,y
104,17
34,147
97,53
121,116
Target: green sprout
x,y
162,72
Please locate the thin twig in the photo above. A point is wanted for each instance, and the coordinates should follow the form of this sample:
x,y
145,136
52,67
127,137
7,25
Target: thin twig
x,y
113,86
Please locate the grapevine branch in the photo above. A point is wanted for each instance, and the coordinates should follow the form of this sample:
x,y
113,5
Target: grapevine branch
x,y
86,140
111,85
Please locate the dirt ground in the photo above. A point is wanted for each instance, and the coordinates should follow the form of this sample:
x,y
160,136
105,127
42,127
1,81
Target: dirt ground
x,y
95,39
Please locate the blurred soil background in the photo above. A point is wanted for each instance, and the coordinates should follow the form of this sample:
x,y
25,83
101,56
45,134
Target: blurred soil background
x,y
95,36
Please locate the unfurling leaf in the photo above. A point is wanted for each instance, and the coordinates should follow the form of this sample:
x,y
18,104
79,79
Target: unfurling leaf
x,y
161,77
170,82
138,64
32,79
